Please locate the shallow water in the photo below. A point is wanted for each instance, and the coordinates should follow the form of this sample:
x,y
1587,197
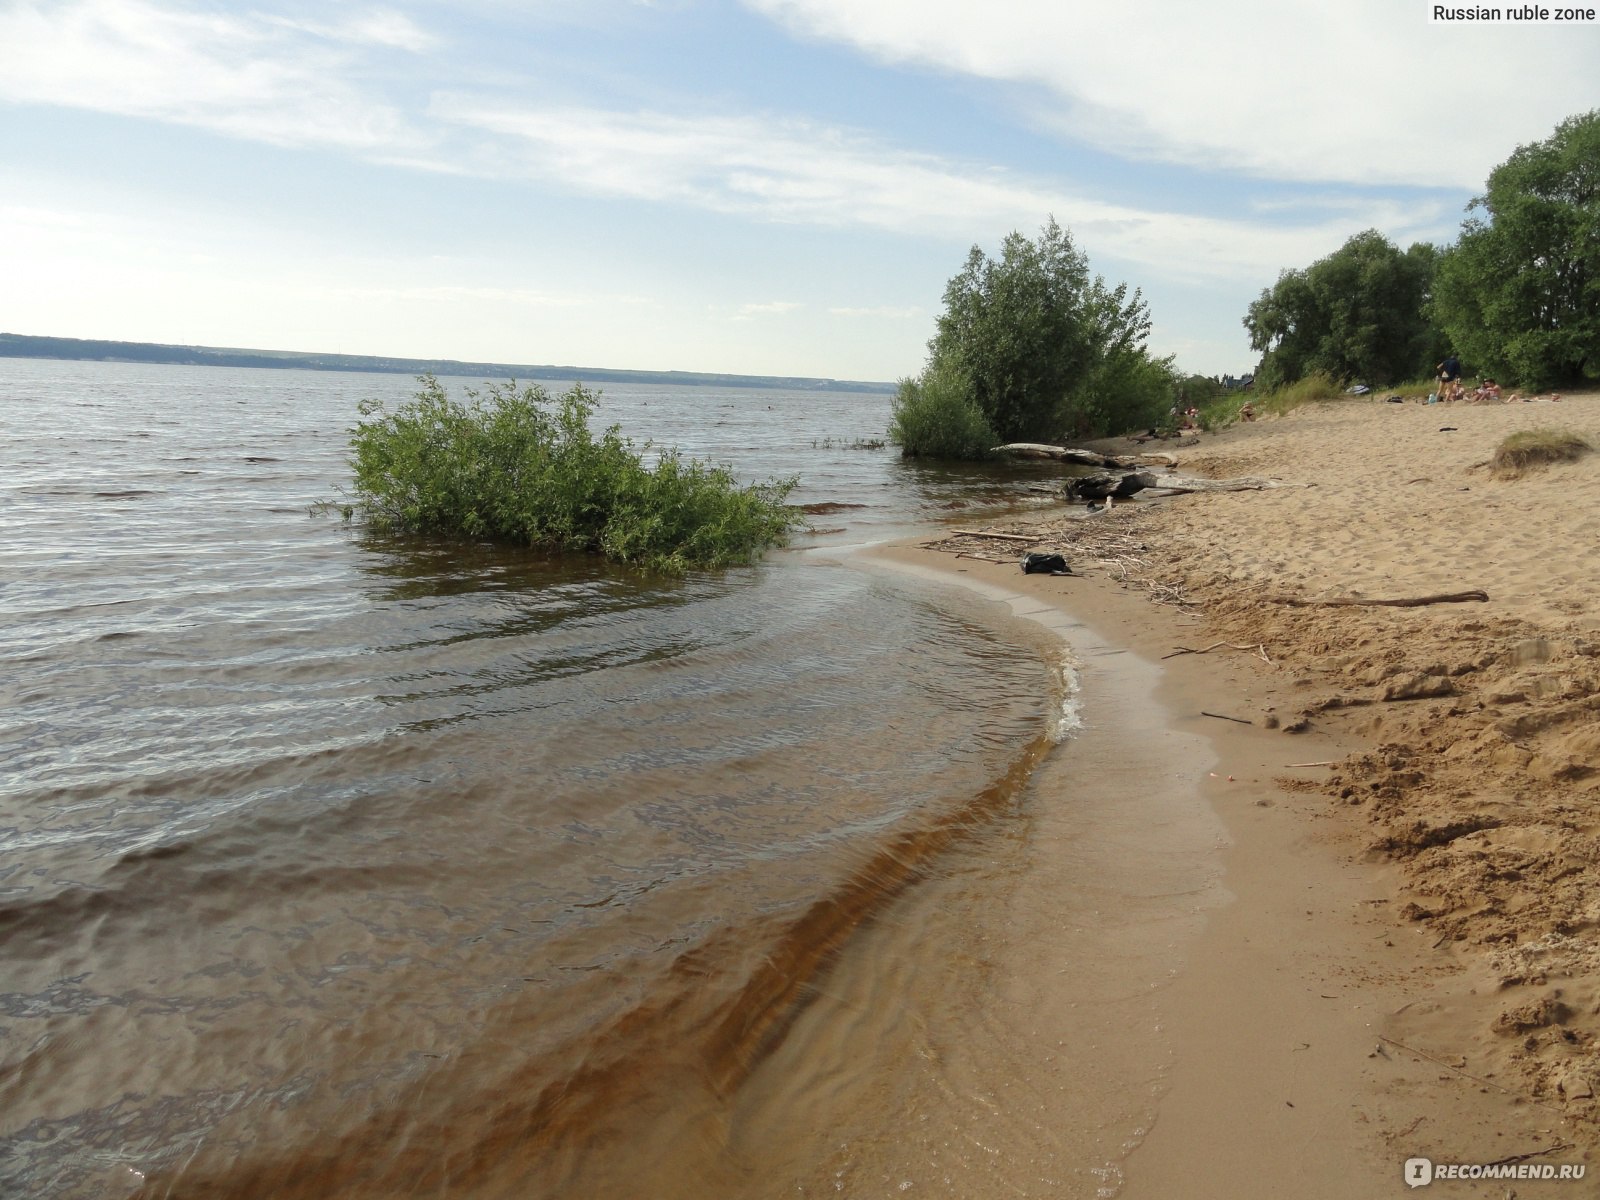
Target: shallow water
x,y
340,866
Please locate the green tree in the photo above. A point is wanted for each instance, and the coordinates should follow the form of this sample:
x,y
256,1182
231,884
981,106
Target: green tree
x,y
1519,293
1359,314
1032,347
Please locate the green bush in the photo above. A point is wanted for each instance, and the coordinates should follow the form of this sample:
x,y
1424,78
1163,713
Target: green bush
x,y
935,416
523,466
1535,448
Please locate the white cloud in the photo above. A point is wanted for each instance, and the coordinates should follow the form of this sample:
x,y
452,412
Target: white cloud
x,y
771,308
1362,91
248,76
794,171
294,81
378,27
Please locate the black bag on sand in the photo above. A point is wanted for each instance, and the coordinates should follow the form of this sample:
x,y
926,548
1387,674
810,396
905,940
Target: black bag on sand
x,y
1045,564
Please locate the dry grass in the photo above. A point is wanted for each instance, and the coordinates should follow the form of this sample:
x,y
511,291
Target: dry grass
x,y
1535,448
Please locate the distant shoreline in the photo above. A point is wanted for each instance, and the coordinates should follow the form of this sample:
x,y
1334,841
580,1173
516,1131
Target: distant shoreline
x,y
16,345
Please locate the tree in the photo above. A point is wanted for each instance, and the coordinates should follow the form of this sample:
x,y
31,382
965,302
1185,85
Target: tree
x,y
1519,293
1357,315
1032,347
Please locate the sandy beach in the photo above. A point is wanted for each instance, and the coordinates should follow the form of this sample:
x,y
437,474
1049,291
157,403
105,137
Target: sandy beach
x,y
1408,966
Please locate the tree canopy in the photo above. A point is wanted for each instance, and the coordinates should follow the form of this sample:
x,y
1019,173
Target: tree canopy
x,y
1356,315
1519,293
1032,347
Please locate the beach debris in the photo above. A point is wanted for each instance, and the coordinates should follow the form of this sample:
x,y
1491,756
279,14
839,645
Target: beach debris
x,y
1106,486
1259,649
1439,1062
1325,763
1224,717
1408,602
989,533
1045,564
1239,483
1105,543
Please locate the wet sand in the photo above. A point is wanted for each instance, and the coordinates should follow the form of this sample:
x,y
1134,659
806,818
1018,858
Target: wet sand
x,y
1405,963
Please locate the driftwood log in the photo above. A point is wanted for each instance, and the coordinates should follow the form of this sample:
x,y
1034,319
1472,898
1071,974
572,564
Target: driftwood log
x,y
1240,483
1084,458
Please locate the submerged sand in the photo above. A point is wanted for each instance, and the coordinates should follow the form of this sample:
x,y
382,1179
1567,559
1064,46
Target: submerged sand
x,y
1417,970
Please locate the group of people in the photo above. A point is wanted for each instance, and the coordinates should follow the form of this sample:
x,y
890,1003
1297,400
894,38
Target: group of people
x,y
1487,392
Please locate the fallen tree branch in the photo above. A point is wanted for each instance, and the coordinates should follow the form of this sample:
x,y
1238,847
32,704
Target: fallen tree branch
x,y
1408,602
1004,537
1222,717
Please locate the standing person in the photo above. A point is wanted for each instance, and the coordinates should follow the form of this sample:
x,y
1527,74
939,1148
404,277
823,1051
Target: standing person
x,y
1449,372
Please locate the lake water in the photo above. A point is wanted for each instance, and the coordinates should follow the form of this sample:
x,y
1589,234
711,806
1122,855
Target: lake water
x,y
342,866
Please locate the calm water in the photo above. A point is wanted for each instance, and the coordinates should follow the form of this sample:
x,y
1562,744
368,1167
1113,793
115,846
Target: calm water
x,y
334,866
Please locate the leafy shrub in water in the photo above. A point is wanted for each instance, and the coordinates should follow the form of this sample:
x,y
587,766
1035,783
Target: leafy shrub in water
x,y
523,466
935,416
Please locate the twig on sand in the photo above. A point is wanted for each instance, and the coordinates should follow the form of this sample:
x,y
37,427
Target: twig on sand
x,y
1326,763
1222,717
1516,1158
1259,649
1475,1079
1409,602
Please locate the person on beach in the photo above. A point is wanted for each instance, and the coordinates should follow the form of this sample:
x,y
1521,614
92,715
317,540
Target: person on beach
x,y
1449,372
1248,411
1488,392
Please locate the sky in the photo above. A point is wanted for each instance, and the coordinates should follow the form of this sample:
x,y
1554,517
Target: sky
x,y
776,187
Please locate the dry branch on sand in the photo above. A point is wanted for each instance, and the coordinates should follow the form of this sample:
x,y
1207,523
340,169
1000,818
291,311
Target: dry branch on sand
x,y
1407,602
1259,649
